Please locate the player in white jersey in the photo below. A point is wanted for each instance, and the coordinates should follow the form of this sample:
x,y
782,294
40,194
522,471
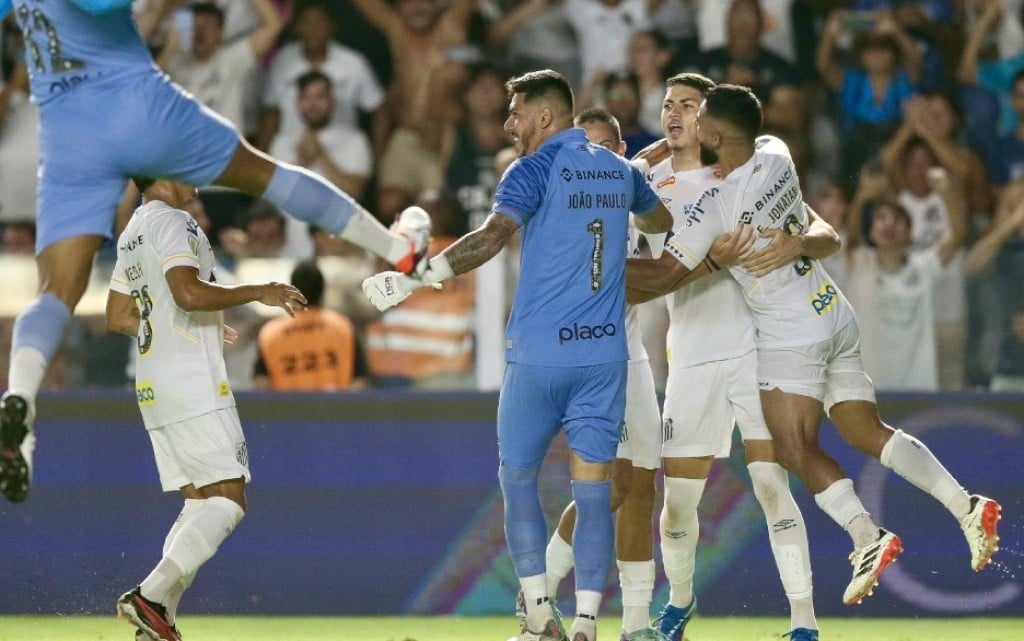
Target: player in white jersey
x,y
637,459
711,381
163,293
808,344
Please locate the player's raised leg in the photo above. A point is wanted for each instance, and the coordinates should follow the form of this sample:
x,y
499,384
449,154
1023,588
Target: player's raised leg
x,y
794,420
860,425
309,197
64,267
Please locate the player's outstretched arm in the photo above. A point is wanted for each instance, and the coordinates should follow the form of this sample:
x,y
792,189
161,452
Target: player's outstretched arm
x,y
387,289
191,293
122,314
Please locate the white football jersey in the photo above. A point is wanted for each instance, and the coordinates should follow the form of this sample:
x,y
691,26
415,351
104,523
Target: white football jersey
x,y
797,305
708,319
180,371
634,338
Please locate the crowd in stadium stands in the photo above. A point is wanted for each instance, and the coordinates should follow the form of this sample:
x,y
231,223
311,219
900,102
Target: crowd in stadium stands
x,y
905,119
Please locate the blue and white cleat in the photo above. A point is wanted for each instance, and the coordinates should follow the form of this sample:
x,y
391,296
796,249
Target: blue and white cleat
x,y
672,620
802,634
644,634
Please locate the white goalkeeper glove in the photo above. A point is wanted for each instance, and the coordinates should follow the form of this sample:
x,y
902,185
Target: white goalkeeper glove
x,y
387,289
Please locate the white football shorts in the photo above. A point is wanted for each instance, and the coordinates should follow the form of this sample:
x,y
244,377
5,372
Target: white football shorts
x,y
640,440
202,450
831,371
704,402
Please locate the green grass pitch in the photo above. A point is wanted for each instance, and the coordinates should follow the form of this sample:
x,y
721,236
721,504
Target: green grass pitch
x,y
218,628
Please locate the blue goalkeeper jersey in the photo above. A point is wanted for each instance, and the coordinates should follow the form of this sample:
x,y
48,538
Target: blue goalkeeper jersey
x,y
572,200
68,44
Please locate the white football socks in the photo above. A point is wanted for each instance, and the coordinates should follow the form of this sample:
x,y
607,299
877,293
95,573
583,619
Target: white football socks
x,y
842,504
196,541
558,560
636,581
912,460
680,530
787,534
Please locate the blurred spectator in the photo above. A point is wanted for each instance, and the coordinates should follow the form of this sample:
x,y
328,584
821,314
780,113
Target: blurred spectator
x,y
871,93
788,29
995,75
533,34
265,235
932,219
430,50
220,75
481,134
1006,155
892,288
354,85
676,20
337,151
831,203
19,148
1007,39
1003,247
428,341
621,94
603,30
313,351
935,119
345,265
19,238
743,60
649,55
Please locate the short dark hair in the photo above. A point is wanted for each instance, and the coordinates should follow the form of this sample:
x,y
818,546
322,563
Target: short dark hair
x,y
895,205
210,9
736,105
544,83
265,210
312,76
142,183
622,77
596,114
697,81
308,279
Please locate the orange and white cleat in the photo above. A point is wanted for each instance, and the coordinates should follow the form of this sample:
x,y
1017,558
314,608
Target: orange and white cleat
x,y
979,527
868,564
414,223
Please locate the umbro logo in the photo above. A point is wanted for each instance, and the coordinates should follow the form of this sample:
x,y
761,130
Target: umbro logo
x,y
784,524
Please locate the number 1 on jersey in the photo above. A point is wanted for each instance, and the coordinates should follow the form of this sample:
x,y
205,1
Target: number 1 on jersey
x,y
596,227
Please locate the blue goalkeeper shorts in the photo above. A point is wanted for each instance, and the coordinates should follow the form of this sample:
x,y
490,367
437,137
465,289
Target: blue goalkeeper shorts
x,y
589,402
96,136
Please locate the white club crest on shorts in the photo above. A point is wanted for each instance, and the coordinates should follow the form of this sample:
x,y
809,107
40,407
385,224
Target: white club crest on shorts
x,y
242,454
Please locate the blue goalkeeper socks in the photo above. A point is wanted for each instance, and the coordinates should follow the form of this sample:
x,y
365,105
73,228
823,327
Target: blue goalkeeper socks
x,y
41,326
525,529
592,542
306,196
